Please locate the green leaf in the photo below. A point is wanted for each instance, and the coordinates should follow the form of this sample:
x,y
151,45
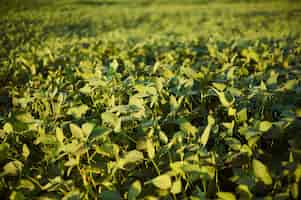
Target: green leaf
x,y
205,136
150,149
163,181
25,118
99,132
16,195
297,173
244,192
13,168
176,187
59,135
8,128
226,196
4,151
112,119
242,115
87,128
78,111
223,98
134,190
174,105
163,138
132,157
219,86
26,184
76,131
264,126
110,195
290,85
187,127
261,172
25,151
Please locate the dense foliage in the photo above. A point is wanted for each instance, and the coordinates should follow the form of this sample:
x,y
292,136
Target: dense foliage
x,y
119,100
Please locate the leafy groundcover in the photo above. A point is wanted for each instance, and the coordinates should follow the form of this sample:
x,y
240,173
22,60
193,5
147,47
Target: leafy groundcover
x,y
159,119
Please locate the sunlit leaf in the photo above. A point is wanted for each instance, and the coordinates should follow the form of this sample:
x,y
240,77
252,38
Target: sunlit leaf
x,y
163,181
78,111
206,133
176,187
112,119
265,126
13,168
76,131
226,196
262,172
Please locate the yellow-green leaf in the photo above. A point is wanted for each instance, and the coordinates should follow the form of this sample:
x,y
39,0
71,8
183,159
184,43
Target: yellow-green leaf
x,y
265,126
163,181
176,187
262,172
134,190
226,196
25,151
150,149
76,131
205,136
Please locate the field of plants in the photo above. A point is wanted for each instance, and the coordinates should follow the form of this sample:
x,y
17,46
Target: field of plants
x,y
120,99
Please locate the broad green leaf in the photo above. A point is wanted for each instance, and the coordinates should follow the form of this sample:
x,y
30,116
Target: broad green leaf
x,y
17,195
76,131
134,190
264,126
26,184
163,181
187,127
220,86
242,115
8,128
99,132
290,85
132,157
273,78
78,111
112,119
110,195
86,89
87,128
231,111
262,172
181,167
13,168
25,118
244,192
4,151
226,196
59,135
176,187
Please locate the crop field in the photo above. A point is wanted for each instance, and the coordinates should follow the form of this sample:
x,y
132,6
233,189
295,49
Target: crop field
x,y
150,99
